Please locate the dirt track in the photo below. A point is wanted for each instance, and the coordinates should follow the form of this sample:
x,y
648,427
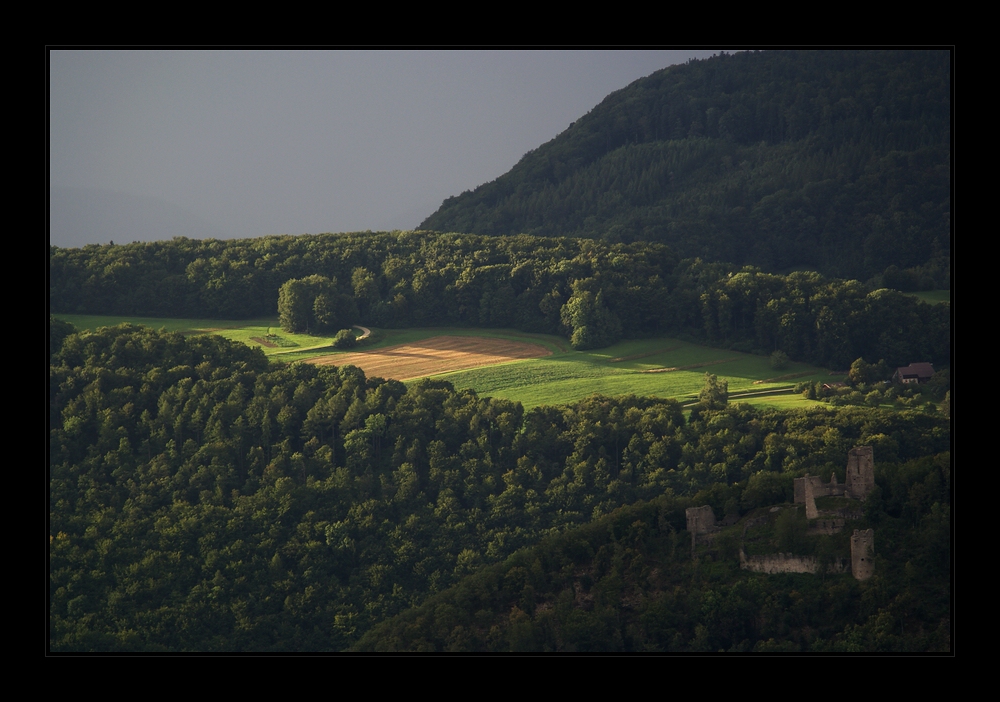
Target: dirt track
x,y
438,354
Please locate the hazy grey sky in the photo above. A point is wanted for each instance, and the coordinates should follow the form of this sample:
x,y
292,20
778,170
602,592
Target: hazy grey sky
x,y
246,143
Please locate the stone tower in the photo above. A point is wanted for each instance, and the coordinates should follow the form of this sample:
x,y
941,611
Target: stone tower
x,y
700,520
860,472
862,548
810,490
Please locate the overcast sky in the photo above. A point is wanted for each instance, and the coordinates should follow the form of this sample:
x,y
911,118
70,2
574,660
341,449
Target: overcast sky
x,y
145,144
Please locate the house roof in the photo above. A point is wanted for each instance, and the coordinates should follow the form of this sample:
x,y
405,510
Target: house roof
x,y
920,370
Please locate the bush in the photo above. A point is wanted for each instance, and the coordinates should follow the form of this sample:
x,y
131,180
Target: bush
x,y
779,360
345,339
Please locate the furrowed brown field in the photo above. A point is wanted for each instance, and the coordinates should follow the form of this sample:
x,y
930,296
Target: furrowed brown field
x,y
438,354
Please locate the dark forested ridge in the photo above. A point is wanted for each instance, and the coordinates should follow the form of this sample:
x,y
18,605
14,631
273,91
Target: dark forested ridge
x,y
838,161
204,500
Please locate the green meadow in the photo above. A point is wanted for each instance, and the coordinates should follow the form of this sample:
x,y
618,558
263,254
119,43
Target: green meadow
x,y
185,326
563,377
569,376
287,346
933,297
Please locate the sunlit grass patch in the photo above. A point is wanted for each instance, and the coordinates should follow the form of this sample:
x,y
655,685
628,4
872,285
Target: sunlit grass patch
x,y
174,324
657,367
933,296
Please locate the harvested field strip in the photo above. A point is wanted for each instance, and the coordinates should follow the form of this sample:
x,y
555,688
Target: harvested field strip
x,y
692,366
438,354
637,356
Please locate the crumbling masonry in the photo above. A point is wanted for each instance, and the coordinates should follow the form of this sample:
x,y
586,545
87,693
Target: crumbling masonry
x,y
860,482
862,548
700,520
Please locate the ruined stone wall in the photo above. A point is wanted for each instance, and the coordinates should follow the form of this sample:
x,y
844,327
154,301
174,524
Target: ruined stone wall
x,y
779,563
826,526
860,482
810,487
772,563
847,513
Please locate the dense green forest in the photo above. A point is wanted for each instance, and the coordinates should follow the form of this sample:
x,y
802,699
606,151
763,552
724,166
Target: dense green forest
x,y
627,582
591,292
837,161
202,499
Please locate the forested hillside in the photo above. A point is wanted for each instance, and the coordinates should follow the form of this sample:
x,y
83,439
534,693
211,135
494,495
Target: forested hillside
x,y
592,292
627,582
837,161
202,499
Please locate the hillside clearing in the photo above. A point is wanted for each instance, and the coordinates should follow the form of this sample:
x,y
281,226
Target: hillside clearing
x,y
547,372
435,355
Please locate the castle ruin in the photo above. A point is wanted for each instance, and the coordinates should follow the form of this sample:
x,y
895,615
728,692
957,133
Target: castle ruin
x,y
859,484
860,566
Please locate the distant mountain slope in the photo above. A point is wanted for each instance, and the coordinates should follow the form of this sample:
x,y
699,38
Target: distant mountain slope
x,y
833,160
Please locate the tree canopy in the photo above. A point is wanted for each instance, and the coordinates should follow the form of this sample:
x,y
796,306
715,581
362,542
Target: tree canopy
x,y
591,292
838,161
202,499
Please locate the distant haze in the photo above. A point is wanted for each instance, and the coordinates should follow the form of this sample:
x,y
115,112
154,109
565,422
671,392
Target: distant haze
x,y
146,145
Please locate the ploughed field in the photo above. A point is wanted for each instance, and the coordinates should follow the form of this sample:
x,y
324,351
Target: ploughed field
x,y
438,354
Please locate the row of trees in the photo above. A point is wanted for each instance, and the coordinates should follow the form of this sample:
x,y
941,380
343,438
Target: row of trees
x,y
314,305
592,293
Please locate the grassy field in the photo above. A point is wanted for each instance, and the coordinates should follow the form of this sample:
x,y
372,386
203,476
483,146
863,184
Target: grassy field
x,y
660,367
287,346
186,326
569,376
933,296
